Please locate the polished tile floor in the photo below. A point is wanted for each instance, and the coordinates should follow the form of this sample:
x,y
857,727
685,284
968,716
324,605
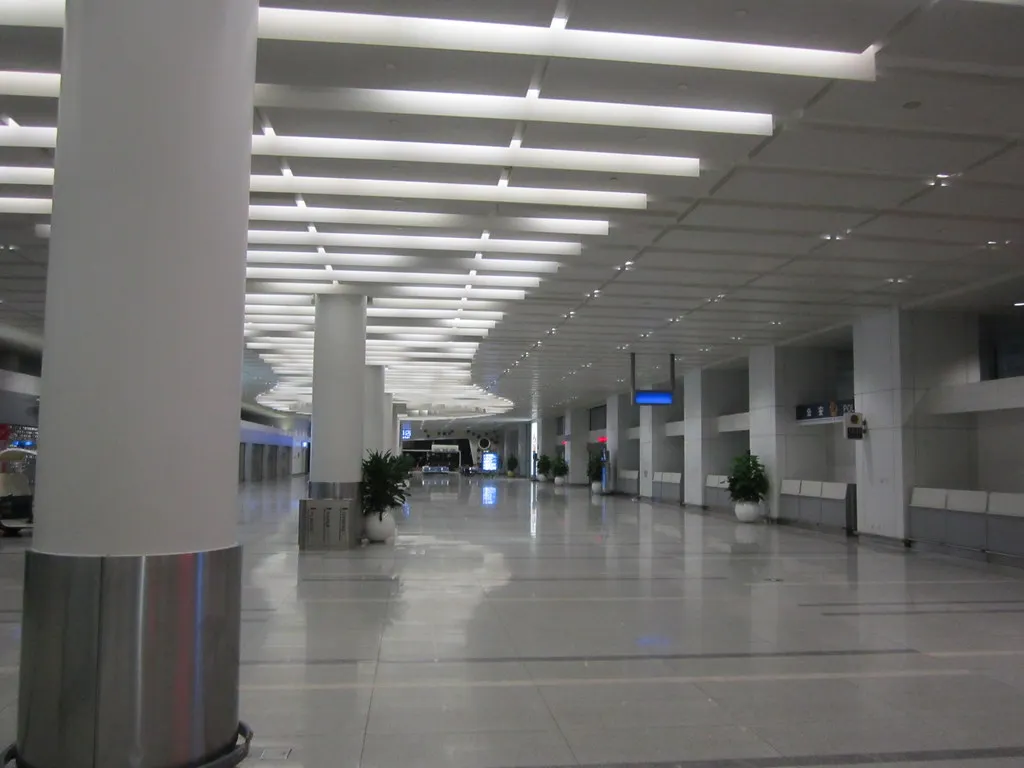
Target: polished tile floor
x,y
522,625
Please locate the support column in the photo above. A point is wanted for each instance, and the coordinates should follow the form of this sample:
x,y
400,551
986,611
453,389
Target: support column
x,y
577,434
525,454
144,312
339,381
898,358
781,378
617,421
388,423
373,426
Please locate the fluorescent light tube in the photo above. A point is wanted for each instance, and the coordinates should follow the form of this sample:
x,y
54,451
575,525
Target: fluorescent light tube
x,y
459,154
414,242
483,37
419,190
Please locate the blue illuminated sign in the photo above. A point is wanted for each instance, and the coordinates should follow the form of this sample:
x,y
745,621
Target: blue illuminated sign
x,y
489,462
653,397
407,432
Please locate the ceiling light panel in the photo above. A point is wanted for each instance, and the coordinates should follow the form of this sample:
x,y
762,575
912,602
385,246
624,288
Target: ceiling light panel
x,y
481,37
452,154
389,278
360,240
417,190
420,152
524,109
396,261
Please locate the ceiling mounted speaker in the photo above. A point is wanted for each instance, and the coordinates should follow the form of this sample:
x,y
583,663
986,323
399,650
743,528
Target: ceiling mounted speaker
x,y
484,443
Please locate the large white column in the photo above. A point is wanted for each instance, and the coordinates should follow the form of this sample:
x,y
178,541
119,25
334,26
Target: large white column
x,y
339,349
898,358
137,479
373,426
781,378
577,434
146,278
617,417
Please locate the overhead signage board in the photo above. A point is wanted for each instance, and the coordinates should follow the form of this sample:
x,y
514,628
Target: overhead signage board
x,y
652,397
832,409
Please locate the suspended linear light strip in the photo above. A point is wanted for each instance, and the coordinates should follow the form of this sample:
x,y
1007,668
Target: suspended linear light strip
x,y
468,154
413,242
481,37
462,105
421,152
390,278
419,190
420,294
421,219
44,206
387,260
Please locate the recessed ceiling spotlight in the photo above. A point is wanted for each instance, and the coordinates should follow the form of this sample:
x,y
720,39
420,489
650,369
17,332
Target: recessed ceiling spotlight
x,y
898,280
736,338
776,322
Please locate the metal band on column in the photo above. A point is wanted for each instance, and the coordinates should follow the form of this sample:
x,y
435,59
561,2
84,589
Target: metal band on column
x,y
131,658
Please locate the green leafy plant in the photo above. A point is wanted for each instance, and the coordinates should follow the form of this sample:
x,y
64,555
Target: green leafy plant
x,y
544,465
595,468
382,488
748,480
559,468
512,464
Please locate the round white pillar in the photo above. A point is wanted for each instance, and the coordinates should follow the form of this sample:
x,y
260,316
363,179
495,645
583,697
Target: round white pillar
x,y
373,424
146,278
136,501
339,352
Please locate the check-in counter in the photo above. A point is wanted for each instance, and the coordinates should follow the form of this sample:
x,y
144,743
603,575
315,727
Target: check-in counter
x,y
991,523
629,482
668,486
818,504
716,491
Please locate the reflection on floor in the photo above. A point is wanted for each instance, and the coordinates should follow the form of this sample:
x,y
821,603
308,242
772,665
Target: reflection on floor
x,y
522,625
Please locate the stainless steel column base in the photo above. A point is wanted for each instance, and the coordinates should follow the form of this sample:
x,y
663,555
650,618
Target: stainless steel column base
x,y
331,518
131,661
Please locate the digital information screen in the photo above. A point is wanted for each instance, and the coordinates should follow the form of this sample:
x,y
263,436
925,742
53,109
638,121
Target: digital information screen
x,y
407,432
489,462
653,397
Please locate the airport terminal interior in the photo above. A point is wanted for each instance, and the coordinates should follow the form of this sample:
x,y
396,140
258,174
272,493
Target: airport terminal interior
x,y
512,383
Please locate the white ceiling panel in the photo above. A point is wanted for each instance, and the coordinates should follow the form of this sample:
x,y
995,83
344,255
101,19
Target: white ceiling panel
x,y
850,25
739,217
880,153
737,242
972,200
763,186
966,31
927,102
942,229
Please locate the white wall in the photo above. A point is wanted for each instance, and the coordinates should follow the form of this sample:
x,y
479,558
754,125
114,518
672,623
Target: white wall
x,y
1001,451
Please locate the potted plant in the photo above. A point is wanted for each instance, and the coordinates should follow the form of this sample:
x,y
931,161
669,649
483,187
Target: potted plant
x,y
595,469
748,485
544,466
382,489
512,465
559,469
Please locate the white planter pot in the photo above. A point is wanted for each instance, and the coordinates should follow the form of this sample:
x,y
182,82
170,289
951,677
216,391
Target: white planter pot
x,y
542,478
595,487
379,529
748,511
559,481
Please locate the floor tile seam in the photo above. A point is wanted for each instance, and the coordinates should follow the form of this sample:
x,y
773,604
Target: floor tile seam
x,y
599,658
569,682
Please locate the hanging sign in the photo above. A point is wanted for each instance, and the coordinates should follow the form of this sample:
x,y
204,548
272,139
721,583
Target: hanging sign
x,y
832,409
